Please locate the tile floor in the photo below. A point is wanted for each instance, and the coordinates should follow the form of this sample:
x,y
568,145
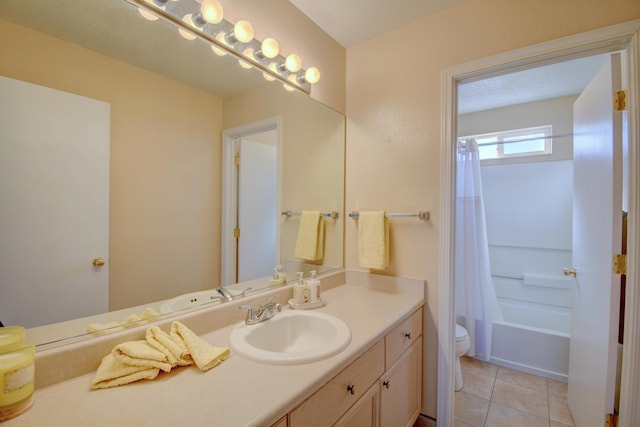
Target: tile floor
x,y
494,396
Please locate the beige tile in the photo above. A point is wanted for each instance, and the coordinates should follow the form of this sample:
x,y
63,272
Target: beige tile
x,y
469,364
555,424
423,421
470,409
502,416
522,379
480,385
458,423
559,410
558,388
521,398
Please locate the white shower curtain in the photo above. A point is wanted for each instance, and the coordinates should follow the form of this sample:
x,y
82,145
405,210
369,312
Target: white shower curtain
x,y
473,272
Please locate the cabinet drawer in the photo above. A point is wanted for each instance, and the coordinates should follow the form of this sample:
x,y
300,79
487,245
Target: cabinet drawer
x,y
365,412
402,336
329,403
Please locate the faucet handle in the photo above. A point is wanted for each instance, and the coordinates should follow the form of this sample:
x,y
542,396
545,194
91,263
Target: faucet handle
x,y
250,313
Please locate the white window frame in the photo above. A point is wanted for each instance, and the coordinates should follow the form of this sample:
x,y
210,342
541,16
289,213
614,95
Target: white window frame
x,y
524,133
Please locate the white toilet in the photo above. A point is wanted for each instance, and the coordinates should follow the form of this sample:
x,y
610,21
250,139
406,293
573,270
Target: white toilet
x,y
462,346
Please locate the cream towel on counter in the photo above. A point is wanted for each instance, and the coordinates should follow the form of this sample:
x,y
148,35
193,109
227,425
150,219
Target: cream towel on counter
x,y
373,240
176,352
203,354
310,241
112,373
141,353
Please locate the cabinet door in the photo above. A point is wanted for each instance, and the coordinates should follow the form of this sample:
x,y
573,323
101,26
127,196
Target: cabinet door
x,y
364,413
401,389
282,422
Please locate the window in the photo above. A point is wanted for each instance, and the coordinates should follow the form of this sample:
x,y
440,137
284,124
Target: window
x,y
514,143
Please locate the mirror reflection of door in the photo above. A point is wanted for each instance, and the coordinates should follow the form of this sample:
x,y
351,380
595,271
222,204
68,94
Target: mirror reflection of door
x,y
256,179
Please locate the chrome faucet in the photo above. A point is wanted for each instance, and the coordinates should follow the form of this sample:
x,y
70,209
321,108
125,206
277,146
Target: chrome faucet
x,y
228,296
225,294
267,311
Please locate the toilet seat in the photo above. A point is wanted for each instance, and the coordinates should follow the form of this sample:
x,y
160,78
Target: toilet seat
x,y
461,333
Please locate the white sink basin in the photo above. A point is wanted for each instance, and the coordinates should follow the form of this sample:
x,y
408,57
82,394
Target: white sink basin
x,y
291,337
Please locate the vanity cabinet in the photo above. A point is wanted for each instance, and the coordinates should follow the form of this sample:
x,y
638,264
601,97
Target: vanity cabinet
x,y
382,387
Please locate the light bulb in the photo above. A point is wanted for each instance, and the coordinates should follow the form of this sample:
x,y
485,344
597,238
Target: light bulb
x,y
270,48
293,63
268,77
243,31
211,11
147,15
187,34
288,87
312,75
217,50
273,67
245,64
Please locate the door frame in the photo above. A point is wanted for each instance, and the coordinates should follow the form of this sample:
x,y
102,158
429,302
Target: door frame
x,y
229,211
625,36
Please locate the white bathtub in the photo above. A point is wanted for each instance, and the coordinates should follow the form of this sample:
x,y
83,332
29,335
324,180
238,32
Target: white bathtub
x,y
533,338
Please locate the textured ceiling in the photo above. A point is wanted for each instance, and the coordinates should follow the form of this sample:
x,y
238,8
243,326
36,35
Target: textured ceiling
x,y
535,84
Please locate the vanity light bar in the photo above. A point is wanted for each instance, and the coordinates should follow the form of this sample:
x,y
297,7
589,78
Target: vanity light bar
x,y
236,40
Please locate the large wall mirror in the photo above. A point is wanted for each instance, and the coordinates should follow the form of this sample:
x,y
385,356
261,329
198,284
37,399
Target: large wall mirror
x,y
167,111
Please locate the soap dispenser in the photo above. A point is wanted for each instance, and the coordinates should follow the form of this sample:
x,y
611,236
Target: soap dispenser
x,y
276,279
282,275
301,290
314,288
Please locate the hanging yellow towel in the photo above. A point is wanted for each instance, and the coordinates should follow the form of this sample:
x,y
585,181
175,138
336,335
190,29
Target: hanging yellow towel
x,y
176,352
310,241
203,354
373,240
112,373
141,353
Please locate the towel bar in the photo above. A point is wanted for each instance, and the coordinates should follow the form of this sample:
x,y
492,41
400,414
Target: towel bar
x,y
332,214
423,215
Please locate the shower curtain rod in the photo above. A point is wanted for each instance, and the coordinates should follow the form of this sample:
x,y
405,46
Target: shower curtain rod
x,y
562,135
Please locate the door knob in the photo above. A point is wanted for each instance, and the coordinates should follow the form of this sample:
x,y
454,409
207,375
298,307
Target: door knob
x,y
569,272
98,262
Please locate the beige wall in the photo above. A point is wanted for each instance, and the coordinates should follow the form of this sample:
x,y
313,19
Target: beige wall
x,y
165,164
394,120
312,159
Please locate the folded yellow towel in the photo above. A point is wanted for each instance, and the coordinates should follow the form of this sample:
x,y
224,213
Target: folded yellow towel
x,y
373,240
310,241
175,350
203,354
112,372
141,353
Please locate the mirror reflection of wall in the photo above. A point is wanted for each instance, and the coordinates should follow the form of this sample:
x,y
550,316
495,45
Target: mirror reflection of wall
x,y
165,155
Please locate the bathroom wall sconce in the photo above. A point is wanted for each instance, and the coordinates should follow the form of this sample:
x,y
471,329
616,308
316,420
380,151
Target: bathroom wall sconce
x,y
206,21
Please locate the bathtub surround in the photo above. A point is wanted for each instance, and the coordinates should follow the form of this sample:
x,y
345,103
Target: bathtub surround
x,y
371,305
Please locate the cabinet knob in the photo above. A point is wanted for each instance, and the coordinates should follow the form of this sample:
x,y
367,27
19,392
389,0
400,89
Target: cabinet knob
x,y
385,384
408,335
351,388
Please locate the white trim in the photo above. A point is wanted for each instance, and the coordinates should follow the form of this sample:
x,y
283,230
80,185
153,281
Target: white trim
x,y
604,40
228,244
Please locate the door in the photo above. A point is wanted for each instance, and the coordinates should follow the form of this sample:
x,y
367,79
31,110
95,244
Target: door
x,y
596,237
257,206
54,204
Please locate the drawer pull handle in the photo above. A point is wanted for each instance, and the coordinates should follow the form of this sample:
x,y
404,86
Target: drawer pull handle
x,y
408,335
351,389
386,384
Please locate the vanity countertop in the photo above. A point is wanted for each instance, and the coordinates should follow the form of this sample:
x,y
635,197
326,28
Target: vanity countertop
x,y
238,392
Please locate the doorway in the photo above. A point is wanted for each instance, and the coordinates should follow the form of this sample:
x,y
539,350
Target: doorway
x,y
250,201
598,42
